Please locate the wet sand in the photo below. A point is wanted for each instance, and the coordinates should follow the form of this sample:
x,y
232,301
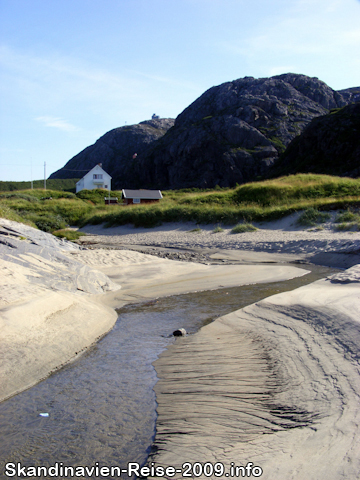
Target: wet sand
x,y
56,300
275,383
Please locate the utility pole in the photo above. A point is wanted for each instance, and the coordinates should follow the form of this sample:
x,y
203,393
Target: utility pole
x,y
44,175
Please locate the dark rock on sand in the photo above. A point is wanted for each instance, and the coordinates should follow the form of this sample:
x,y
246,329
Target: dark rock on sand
x,y
180,332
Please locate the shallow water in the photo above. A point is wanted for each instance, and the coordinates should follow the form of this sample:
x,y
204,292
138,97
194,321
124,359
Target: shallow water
x,y
102,407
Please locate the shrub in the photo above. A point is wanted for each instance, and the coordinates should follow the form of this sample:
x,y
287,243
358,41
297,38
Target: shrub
x,y
311,216
97,196
243,227
348,216
47,223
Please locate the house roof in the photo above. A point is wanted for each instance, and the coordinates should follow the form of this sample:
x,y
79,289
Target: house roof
x,y
97,168
142,194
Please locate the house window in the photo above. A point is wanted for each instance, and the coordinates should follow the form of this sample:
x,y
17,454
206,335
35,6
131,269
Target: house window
x,y
136,200
105,186
97,176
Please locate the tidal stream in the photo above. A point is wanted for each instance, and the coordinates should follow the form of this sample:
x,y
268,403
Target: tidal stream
x,y
102,407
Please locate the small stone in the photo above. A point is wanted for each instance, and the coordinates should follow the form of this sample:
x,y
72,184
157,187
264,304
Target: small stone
x,y
180,332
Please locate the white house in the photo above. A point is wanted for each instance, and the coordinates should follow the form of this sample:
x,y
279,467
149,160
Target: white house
x,y
96,178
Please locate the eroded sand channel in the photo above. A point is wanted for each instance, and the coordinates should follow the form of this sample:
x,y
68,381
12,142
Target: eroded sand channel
x,y
102,408
275,385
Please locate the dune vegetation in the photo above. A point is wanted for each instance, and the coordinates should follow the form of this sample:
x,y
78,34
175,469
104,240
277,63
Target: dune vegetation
x,y
66,184
257,201
54,211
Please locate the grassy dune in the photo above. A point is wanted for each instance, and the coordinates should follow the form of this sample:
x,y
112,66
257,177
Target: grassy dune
x,y
68,185
52,210
258,201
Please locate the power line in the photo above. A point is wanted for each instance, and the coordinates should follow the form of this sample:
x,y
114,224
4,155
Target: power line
x,y
38,165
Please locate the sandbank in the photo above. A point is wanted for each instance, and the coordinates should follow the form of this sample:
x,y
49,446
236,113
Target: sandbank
x,y
56,299
277,241
143,277
276,383
48,308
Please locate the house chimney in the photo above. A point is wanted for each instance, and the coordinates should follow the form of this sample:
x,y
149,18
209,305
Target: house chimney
x,y
100,165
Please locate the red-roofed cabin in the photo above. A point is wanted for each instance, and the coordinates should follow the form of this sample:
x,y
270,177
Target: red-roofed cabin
x,y
135,197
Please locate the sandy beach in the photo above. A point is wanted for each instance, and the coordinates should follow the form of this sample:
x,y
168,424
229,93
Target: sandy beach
x,y
276,383
274,242
56,299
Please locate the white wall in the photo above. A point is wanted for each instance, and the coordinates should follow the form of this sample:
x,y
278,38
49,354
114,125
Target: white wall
x,y
88,182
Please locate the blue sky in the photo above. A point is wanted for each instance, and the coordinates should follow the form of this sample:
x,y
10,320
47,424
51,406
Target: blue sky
x,y
72,70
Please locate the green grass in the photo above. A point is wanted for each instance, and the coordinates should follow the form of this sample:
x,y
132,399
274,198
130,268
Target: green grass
x,y
294,188
256,201
218,229
348,216
341,227
68,185
20,196
243,227
68,234
10,214
311,217
348,220
281,191
96,197
48,210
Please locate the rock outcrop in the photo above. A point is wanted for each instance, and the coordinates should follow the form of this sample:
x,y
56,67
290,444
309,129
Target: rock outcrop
x,y
351,95
20,244
233,133
115,150
330,144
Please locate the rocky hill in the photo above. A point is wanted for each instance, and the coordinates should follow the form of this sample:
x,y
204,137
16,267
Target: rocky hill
x,y
115,150
351,95
233,133
329,144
